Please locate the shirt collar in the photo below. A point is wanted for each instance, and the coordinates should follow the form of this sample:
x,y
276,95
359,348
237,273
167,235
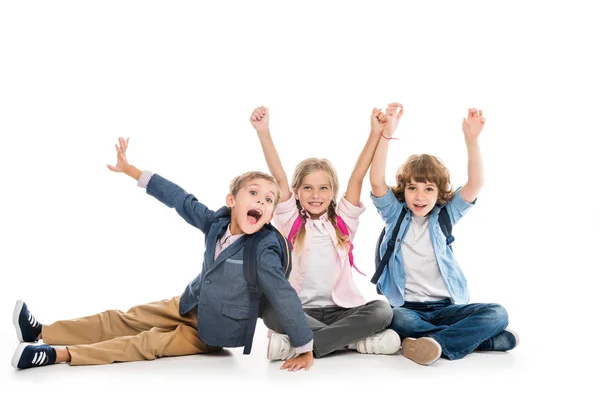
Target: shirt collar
x,y
227,236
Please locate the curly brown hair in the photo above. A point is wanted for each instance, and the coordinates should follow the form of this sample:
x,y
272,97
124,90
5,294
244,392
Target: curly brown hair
x,y
424,168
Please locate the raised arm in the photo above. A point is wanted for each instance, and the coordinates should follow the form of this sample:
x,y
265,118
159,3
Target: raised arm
x,y
260,121
168,193
393,113
365,158
122,163
472,127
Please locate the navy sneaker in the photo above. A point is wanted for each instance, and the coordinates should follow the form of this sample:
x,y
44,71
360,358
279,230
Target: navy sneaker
x,y
504,341
28,329
30,355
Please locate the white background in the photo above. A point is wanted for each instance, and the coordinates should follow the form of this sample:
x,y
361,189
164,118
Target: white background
x,y
181,79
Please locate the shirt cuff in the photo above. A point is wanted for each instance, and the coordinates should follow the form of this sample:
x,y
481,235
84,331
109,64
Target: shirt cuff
x,y
144,179
349,209
384,200
304,349
459,202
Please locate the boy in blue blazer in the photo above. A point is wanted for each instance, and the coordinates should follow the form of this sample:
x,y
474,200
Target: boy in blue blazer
x,y
213,311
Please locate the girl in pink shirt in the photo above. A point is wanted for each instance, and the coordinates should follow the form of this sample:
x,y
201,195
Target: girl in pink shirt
x,y
321,231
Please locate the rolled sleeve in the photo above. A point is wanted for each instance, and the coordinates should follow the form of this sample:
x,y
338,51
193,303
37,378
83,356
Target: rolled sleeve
x,y
285,215
387,206
350,213
458,207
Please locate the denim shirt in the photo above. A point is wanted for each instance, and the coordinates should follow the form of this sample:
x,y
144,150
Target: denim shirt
x,y
392,281
219,293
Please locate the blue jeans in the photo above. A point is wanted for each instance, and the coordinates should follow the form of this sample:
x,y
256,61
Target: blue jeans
x,y
459,329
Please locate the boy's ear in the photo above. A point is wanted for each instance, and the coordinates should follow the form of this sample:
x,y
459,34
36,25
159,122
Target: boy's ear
x,y
230,200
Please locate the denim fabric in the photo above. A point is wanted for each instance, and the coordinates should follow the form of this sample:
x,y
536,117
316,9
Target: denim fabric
x,y
459,329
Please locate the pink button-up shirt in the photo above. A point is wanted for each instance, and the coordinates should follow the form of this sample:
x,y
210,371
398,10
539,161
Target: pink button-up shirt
x,y
345,292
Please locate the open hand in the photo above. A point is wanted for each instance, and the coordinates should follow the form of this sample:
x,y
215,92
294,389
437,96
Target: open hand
x,y
122,163
473,124
304,360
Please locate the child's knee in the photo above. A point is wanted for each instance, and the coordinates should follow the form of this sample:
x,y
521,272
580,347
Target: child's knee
x,y
382,312
498,314
403,318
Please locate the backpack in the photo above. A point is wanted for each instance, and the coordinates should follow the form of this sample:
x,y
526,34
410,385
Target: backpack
x,y
381,262
250,260
341,225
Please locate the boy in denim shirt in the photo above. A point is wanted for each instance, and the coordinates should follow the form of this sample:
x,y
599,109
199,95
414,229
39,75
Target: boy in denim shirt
x,y
213,310
422,280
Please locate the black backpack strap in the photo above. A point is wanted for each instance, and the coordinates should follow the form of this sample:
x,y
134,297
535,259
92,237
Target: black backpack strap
x,y
250,275
285,248
381,263
446,225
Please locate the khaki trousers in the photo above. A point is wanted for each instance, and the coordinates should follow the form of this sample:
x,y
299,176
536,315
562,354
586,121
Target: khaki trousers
x,y
144,332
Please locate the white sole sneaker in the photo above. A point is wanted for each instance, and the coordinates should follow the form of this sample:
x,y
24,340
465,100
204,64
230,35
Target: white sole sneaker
x,y
18,354
279,347
386,341
16,314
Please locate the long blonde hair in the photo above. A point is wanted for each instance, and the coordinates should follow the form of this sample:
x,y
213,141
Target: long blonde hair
x,y
303,169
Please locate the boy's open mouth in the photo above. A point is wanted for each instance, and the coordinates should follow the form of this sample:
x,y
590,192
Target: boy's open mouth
x,y
254,215
419,207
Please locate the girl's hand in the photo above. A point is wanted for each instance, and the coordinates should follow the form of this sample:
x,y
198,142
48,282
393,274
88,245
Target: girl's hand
x,y
260,119
473,124
393,113
377,121
122,163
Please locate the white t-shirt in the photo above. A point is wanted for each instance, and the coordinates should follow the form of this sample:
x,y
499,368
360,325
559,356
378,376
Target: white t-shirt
x,y
424,281
320,275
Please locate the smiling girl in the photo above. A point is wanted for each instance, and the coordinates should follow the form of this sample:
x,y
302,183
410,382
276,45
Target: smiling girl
x,y
321,230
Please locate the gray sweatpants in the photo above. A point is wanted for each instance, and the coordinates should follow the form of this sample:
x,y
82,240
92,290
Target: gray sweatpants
x,y
336,327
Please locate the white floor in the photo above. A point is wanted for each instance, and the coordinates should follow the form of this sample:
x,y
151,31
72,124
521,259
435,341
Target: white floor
x,y
181,79
530,370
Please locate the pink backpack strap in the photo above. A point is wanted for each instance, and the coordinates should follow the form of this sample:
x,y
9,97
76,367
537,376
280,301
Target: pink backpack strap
x,y
344,229
295,229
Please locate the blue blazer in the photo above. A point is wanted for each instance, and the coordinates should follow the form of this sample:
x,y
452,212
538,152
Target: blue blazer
x,y
219,292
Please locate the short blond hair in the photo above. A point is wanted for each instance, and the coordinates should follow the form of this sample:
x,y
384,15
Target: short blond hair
x,y
239,181
424,168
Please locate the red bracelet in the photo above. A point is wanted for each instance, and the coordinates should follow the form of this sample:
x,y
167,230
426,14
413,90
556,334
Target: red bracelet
x,y
388,138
